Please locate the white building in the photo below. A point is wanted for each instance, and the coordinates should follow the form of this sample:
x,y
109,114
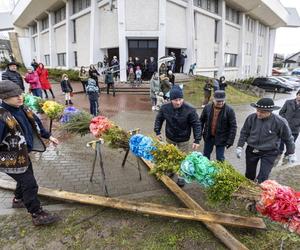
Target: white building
x,y
234,38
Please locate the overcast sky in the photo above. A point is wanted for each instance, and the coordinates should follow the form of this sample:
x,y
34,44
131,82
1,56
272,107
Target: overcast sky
x,y
287,39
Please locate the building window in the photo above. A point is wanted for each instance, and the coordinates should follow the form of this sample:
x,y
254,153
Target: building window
x,y
75,59
45,23
215,58
250,24
135,44
230,60
261,30
34,28
79,5
61,59
74,31
258,69
209,5
60,15
232,15
47,60
34,44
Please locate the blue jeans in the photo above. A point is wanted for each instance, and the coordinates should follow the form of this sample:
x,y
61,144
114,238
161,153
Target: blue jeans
x,y
209,146
37,92
281,148
94,107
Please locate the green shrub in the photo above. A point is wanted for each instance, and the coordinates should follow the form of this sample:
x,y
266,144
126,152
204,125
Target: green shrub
x,y
56,74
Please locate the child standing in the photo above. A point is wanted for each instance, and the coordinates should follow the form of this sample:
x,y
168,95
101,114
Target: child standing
x,y
138,75
131,76
92,91
66,88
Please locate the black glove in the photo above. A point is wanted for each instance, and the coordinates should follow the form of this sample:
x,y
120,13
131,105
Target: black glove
x,y
228,146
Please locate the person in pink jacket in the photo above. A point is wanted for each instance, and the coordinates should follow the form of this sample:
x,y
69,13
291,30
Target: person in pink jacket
x,y
32,78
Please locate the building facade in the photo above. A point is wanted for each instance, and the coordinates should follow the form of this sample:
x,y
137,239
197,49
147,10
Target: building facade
x,y
234,38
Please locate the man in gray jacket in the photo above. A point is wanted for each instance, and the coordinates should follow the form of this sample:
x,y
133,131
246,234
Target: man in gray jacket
x,y
263,132
291,112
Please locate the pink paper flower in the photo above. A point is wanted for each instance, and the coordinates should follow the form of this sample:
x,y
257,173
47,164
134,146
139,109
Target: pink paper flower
x,y
99,125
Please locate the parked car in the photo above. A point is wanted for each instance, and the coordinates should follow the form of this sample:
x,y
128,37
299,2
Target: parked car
x,y
271,84
290,82
296,72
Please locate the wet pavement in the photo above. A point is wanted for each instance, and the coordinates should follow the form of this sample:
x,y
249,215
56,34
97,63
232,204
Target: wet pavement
x,y
68,166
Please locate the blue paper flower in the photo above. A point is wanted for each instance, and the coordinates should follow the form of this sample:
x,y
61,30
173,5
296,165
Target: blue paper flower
x,y
69,112
141,146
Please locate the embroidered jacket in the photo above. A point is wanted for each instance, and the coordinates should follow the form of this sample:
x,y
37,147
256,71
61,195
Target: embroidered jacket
x,y
14,158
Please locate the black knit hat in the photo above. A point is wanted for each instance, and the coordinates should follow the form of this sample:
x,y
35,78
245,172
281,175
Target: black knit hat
x,y
12,63
176,93
265,104
9,89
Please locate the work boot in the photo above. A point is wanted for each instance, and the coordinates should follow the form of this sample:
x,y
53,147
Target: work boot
x,y
43,217
70,102
66,103
180,182
17,203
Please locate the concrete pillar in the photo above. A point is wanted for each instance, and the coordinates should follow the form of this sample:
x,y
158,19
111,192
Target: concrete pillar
x,y
14,42
69,35
123,48
241,54
96,54
254,55
221,31
190,23
162,28
272,35
52,50
266,52
38,43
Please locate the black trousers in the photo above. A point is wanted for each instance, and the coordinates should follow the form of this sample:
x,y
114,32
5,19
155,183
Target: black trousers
x,y
110,85
27,189
266,158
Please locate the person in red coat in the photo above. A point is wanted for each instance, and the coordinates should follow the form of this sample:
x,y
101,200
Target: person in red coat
x,y
43,76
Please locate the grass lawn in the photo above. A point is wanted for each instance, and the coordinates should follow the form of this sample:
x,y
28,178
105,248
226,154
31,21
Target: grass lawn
x,y
193,93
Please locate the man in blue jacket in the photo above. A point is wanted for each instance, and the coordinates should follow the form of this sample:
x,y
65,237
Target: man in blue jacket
x,y
20,133
180,119
13,75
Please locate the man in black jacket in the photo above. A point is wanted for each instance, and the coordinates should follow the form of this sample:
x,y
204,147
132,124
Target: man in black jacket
x,y
291,112
12,75
180,118
219,126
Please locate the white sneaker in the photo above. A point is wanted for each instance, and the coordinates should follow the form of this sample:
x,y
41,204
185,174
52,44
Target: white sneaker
x,y
153,108
202,106
157,108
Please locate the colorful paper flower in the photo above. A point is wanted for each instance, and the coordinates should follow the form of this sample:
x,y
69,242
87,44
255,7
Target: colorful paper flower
x,y
141,146
68,114
99,125
52,109
33,102
197,167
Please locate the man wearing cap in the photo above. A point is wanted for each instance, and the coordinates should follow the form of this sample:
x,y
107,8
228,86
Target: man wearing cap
x,y
12,75
20,133
219,127
263,132
180,118
291,112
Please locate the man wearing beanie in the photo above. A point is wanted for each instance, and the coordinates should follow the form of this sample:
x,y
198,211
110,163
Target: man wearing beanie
x,y
13,75
263,132
219,127
180,119
20,133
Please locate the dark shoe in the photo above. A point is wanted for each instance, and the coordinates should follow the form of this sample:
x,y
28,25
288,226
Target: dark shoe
x,y
17,203
70,102
43,217
180,182
66,103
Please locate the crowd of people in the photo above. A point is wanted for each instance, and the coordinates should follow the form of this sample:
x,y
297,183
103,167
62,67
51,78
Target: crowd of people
x,y
264,133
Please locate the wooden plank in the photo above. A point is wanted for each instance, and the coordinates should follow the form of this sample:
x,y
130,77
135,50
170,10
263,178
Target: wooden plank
x,y
148,208
218,230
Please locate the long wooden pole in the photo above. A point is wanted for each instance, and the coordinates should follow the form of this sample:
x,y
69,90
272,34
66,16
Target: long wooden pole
x,y
148,208
218,230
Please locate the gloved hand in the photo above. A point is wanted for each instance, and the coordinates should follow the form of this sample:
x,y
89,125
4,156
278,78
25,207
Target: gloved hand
x,y
238,152
292,158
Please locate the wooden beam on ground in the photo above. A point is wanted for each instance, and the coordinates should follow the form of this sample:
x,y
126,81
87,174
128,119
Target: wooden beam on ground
x,y
148,208
218,230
